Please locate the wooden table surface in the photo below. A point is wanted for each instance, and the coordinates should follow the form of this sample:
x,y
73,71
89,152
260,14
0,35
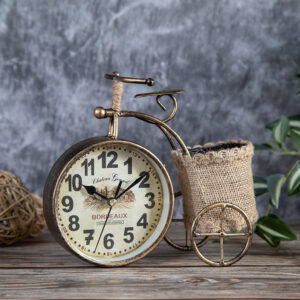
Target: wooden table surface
x,y
39,268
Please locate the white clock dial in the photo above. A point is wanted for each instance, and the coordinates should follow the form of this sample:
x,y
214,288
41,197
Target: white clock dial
x,y
112,202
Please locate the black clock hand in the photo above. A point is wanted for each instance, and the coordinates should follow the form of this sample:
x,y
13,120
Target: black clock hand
x,y
92,190
132,185
103,227
118,189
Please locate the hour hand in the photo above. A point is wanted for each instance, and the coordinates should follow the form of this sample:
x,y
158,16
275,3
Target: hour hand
x,y
92,190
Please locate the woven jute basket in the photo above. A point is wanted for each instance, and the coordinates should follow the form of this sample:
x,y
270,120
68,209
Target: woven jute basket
x,y
217,172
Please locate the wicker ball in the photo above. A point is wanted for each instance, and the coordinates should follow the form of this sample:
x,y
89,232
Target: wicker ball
x,y
20,212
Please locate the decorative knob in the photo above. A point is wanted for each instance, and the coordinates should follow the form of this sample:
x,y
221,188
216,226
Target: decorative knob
x,y
100,112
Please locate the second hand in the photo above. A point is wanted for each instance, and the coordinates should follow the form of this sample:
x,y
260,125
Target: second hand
x,y
103,227
117,191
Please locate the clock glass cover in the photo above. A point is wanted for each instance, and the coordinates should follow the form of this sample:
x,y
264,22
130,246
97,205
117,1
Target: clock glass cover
x,y
113,202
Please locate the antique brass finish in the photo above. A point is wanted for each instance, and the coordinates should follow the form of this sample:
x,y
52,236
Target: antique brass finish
x,y
113,123
117,100
81,150
161,94
185,247
59,172
113,126
221,234
166,129
115,112
158,123
116,76
100,112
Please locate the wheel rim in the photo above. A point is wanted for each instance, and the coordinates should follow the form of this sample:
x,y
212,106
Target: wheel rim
x,y
221,235
185,247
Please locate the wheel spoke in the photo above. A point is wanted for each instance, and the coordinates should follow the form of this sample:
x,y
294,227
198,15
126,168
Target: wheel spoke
x,y
186,238
196,234
221,250
238,234
222,218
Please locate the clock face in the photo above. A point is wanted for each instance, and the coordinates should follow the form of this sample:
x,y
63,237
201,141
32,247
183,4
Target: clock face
x,y
113,202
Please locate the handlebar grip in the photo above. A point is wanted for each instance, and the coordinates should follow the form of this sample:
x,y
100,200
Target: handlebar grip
x,y
116,76
117,93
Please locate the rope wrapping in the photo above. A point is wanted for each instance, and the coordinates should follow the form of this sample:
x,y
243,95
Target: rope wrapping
x,y
117,93
21,213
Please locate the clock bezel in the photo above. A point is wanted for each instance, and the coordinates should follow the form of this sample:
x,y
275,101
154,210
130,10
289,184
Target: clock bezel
x,y
51,187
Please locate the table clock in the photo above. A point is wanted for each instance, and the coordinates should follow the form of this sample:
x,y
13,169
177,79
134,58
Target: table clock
x,y
107,200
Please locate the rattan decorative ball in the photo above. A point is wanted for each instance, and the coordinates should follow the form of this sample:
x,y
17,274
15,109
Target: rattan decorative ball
x,y
21,212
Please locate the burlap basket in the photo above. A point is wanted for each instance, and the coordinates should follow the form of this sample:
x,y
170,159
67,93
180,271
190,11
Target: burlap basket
x,y
219,172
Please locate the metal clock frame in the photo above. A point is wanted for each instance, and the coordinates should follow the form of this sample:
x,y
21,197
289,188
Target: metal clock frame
x,y
57,173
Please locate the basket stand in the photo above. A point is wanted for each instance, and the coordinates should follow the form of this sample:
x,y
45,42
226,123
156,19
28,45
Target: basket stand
x,y
170,134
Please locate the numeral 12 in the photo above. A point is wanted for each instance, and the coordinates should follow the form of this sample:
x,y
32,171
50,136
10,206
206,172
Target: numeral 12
x,y
111,164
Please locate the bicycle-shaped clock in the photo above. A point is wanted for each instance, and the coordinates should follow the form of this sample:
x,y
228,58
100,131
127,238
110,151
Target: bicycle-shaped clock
x,y
111,201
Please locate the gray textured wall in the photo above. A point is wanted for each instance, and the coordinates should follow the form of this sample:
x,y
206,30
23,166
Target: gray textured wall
x,y
235,59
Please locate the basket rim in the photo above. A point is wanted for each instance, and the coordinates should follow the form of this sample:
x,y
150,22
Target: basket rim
x,y
246,149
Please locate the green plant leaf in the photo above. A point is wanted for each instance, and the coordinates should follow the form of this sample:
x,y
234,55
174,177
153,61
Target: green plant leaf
x,y
273,230
298,93
280,130
262,147
298,73
273,242
260,185
275,183
294,181
274,145
272,125
295,137
294,122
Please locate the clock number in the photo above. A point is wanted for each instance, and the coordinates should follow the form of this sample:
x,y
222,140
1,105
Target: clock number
x,y
90,237
108,242
86,164
129,163
129,234
74,225
111,164
75,182
103,157
143,183
143,221
67,202
151,199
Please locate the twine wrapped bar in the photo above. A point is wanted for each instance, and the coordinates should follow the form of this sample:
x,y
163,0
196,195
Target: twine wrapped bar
x,y
117,93
219,172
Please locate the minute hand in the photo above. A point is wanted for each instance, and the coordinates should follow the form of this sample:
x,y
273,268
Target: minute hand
x,y
132,185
